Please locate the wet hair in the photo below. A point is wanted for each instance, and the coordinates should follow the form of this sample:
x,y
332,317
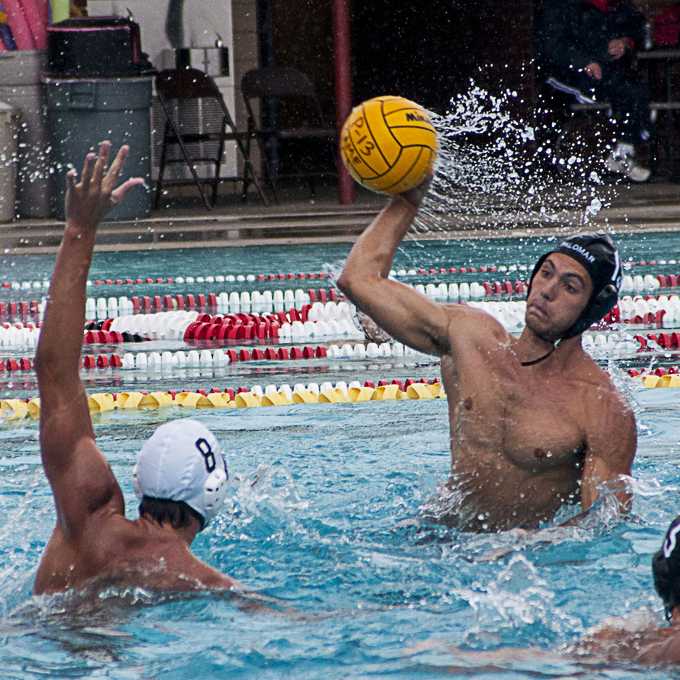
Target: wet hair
x,y
666,568
177,513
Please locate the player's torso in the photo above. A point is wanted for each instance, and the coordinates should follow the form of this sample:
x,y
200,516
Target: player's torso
x,y
517,443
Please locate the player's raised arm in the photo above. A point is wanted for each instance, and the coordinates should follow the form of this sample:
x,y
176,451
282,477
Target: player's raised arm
x,y
78,473
389,145
404,313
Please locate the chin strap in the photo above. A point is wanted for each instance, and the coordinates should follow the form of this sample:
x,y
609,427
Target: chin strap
x,y
533,362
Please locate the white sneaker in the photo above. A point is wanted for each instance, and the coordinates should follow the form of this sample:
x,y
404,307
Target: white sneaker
x,y
622,162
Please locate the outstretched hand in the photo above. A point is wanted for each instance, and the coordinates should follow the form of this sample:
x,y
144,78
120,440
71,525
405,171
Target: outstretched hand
x,y
88,200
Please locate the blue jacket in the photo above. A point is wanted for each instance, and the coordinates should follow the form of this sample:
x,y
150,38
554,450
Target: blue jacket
x,y
571,34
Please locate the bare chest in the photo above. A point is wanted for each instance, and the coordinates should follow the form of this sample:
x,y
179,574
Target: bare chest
x,y
535,425
540,429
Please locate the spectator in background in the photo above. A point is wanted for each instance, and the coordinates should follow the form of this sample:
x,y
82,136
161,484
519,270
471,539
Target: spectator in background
x,y
585,48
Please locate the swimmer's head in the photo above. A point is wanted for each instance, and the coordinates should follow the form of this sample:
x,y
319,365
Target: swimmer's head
x,y
182,462
666,568
599,257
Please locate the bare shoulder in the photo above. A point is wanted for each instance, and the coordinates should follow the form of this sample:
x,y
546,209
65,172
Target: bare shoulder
x,y
607,417
652,646
665,650
474,322
163,561
600,393
109,535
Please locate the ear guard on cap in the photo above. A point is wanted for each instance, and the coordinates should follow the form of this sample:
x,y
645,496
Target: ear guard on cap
x,y
596,309
215,491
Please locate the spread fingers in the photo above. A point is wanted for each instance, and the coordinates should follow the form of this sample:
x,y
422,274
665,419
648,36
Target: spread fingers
x,y
114,171
88,166
102,162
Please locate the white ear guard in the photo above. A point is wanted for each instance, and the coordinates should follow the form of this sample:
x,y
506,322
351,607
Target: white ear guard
x,y
215,491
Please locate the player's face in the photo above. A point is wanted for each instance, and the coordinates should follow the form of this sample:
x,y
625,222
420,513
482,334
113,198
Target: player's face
x,y
559,292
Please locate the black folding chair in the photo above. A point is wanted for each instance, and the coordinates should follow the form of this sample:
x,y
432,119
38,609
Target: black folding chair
x,y
198,123
290,110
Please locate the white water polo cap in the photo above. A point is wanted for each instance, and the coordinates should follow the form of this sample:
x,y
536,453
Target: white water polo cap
x,y
183,461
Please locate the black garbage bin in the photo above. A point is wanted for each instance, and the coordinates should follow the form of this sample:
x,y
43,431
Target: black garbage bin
x,y
90,99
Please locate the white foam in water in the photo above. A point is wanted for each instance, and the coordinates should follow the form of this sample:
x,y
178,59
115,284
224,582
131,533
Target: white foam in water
x,y
516,596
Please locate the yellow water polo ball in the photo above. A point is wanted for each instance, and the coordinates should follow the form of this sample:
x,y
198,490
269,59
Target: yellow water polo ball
x,y
388,144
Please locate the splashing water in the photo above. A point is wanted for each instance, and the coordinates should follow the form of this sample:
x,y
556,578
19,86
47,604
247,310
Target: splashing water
x,y
496,171
517,597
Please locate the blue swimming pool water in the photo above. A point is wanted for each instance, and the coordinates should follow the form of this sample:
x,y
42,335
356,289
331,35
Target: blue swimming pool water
x,y
309,258
328,529
324,515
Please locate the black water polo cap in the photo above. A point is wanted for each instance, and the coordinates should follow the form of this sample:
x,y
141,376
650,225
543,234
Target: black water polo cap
x,y
600,258
666,568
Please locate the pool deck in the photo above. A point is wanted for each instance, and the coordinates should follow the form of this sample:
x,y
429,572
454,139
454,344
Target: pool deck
x,y
299,219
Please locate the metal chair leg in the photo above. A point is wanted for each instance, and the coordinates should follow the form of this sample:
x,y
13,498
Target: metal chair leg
x,y
265,167
249,171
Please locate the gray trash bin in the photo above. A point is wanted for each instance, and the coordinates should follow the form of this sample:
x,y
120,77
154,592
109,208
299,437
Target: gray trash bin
x,y
20,86
8,161
82,112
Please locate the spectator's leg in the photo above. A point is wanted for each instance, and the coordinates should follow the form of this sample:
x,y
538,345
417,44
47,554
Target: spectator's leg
x,y
551,117
630,104
629,99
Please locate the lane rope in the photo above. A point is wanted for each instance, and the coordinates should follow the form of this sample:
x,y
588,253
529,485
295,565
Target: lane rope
x,y
254,397
430,270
